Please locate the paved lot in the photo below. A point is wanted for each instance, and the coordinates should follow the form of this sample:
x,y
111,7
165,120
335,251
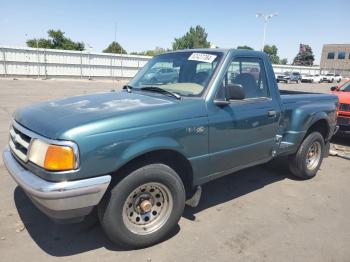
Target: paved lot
x,y
259,214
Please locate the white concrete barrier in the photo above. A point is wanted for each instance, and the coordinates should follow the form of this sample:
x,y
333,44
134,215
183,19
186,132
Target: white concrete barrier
x,y
51,63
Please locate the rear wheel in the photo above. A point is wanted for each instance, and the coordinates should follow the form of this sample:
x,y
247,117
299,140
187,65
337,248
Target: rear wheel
x,y
307,160
144,207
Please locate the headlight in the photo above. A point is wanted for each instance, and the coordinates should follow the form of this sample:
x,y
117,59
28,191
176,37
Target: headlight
x,y
52,157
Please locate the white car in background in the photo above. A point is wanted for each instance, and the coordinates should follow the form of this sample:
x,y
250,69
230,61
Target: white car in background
x,y
337,78
331,77
311,78
317,78
307,78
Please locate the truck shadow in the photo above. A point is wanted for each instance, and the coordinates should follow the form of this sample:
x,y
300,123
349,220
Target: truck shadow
x,y
342,139
70,239
238,184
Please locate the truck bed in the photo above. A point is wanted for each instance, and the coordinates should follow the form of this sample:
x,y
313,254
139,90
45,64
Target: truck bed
x,y
289,96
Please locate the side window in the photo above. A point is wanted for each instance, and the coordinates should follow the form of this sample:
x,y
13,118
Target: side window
x,y
250,73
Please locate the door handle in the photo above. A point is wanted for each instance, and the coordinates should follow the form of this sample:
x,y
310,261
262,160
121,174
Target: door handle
x,y
271,113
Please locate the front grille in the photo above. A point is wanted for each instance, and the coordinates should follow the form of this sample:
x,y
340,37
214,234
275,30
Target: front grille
x,y
19,143
344,107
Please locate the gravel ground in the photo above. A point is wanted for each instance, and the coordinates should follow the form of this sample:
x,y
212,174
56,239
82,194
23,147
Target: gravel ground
x,y
259,214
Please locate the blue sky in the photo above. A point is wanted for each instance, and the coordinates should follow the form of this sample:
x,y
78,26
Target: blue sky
x,y
143,25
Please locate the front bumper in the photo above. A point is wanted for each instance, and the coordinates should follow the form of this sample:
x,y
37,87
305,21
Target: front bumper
x,y
343,121
58,200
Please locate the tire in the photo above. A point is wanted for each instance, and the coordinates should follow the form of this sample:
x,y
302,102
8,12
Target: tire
x,y
298,162
122,215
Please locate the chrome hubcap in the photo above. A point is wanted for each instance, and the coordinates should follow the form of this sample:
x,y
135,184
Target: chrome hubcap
x,y
147,208
313,155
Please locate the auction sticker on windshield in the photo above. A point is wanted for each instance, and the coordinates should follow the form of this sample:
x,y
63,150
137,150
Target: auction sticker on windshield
x,y
207,58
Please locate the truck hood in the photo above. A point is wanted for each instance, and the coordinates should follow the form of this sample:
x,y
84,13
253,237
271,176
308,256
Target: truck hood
x,y
104,112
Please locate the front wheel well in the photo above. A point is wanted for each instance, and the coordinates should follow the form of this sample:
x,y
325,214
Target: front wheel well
x,y
320,126
171,158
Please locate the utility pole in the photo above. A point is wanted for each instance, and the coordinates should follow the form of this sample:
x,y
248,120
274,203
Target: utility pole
x,y
38,56
89,62
265,18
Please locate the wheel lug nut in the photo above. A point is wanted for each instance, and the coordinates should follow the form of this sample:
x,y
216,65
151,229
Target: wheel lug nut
x,y
146,206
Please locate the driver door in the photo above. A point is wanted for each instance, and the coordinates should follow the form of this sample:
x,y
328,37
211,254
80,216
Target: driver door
x,y
243,132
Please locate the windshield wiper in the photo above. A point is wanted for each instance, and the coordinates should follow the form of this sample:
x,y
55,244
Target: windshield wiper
x,y
128,88
161,90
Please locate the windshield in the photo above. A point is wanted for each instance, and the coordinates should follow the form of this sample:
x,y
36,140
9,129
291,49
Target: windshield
x,y
345,87
187,73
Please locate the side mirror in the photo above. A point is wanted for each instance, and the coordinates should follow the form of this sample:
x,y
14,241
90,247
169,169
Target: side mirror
x,y
333,88
235,92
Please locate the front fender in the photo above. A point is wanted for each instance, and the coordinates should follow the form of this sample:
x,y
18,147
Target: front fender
x,y
148,145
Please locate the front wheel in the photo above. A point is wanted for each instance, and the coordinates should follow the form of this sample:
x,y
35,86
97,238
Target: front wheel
x,y
307,160
144,207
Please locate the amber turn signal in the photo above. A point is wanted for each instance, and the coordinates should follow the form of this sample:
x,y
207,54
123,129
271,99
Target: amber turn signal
x,y
59,158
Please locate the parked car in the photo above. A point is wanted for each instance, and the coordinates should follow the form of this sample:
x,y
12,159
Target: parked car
x,y
337,78
307,78
288,77
139,154
343,93
317,78
330,78
311,78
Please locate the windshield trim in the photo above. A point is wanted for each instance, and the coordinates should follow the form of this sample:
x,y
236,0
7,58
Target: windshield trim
x,y
343,87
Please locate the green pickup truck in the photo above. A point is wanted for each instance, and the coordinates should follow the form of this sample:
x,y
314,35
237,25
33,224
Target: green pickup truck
x,y
139,155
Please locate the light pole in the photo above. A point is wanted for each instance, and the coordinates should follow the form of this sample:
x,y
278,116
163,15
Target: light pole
x,y
265,18
89,50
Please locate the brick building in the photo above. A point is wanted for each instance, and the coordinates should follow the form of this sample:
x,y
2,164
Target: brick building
x,y
335,58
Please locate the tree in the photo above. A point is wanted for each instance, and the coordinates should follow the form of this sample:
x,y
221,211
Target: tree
x,y
116,48
284,61
156,51
271,51
56,40
194,38
305,57
245,47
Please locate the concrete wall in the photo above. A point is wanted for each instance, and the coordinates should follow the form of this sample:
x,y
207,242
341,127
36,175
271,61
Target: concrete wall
x,y
48,63
32,62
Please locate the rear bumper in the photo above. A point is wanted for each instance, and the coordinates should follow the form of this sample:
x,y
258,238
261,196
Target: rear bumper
x,y
58,200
